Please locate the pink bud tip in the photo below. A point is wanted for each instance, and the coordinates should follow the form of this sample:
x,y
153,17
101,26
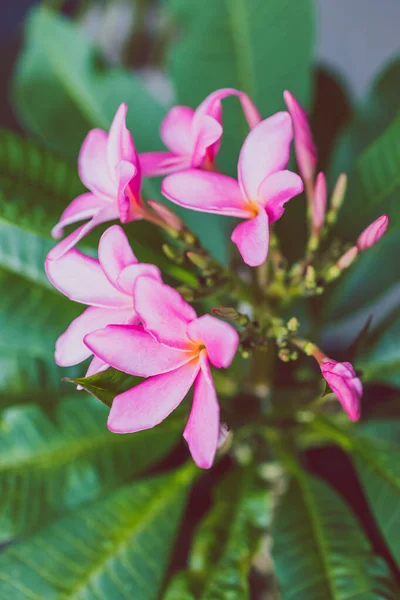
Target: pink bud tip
x,y
168,215
344,383
306,152
319,202
373,233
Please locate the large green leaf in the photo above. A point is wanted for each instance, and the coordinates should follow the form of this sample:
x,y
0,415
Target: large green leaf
x,y
116,548
227,539
320,550
50,464
261,48
382,362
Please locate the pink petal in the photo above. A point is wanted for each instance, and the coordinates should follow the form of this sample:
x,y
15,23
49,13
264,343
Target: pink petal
x,y
212,106
96,366
306,152
93,167
206,192
120,144
202,428
319,202
175,130
167,215
127,279
70,348
132,350
373,233
81,279
344,383
109,213
252,238
276,190
150,402
115,253
220,339
163,312
208,132
83,207
129,203
266,150
154,164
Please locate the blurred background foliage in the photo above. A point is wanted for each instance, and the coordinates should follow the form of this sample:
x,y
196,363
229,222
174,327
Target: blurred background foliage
x,y
87,514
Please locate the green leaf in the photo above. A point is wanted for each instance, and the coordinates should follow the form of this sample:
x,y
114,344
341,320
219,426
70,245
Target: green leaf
x,y
242,44
320,550
179,589
107,384
228,538
378,466
50,465
382,362
117,547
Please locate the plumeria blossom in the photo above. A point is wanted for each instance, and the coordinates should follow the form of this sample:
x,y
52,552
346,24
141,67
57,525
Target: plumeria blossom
x,y
373,233
106,285
345,384
193,137
109,167
173,349
306,152
259,195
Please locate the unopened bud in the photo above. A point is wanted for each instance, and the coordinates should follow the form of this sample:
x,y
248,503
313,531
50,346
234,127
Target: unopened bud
x,y
284,354
171,252
293,324
186,292
348,257
224,438
168,216
226,312
319,202
373,233
311,277
189,238
197,259
338,195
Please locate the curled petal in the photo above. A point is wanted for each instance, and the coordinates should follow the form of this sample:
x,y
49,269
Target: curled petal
x,y
132,350
319,201
93,167
306,152
150,402
206,192
208,133
202,428
220,339
176,130
252,239
373,233
344,383
129,204
70,347
154,164
276,190
83,207
212,106
96,366
81,278
115,253
120,144
163,312
127,279
265,150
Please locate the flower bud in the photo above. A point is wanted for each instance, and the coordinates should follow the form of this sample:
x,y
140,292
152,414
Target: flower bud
x,y
198,260
167,215
373,233
306,153
344,383
347,258
319,202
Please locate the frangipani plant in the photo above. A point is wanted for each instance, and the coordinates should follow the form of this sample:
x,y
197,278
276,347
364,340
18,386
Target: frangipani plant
x,y
216,256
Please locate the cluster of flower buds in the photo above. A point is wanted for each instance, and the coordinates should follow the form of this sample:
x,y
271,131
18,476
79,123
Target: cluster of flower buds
x,y
134,321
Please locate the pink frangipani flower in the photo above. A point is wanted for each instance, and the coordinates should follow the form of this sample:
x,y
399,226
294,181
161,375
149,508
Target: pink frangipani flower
x,y
259,195
345,384
173,350
306,152
109,167
373,233
193,137
106,285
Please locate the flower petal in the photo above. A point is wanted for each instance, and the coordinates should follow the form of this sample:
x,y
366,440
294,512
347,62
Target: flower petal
x,y
212,106
373,233
175,130
150,402
96,366
345,384
129,204
115,253
81,279
70,348
252,239
163,312
306,152
220,339
93,167
202,428
83,207
276,190
154,164
120,144
133,350
266,150
127,279
208,133
109,213
206,192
